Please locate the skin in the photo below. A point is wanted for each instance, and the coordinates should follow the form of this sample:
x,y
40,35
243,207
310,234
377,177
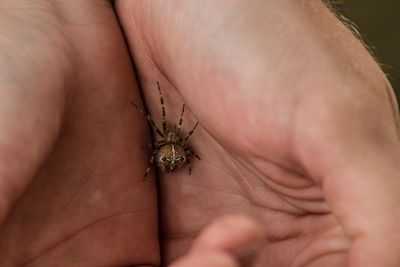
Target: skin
x,y
298,130
71,162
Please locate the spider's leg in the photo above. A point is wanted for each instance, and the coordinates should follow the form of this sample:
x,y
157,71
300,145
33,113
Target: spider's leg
x,y
190,152
181,118
197,156
153,156
159,144
164,120
147,116
156,145
190,165
148,145
191,132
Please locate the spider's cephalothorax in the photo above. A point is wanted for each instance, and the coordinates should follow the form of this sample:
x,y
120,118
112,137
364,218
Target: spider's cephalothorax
x,y
172,151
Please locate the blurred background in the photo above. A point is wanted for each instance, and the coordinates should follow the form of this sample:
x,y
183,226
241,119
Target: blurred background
x,y
378,22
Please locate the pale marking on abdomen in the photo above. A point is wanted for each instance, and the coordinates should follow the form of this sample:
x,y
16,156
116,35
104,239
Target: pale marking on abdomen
x,y
173,155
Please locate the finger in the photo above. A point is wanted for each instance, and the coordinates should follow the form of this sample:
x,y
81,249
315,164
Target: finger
x,y
230,233
209,259
365,196
357,167
226,239
236,234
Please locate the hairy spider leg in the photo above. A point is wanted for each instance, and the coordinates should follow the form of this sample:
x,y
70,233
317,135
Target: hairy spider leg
x,y
159,143
164,120
153,156
148,145
190,152
181,118
197,156
191,132
147,116
190,165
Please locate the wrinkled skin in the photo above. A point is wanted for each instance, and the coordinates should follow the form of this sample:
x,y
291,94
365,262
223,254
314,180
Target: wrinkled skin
x,y
298,130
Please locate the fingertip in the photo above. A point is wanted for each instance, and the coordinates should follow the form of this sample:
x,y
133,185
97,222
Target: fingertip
x,y
230,233
209,259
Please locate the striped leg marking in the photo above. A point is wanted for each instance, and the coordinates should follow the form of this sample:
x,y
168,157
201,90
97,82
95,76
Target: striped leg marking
x,y
191,132
153,156
147,116
181,118
164,120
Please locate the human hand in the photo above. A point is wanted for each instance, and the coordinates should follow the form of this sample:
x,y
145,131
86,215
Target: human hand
x,y
71,167
298,127
72,190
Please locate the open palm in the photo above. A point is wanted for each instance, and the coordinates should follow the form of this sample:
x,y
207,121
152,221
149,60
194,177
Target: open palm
x,y
71,188
287,135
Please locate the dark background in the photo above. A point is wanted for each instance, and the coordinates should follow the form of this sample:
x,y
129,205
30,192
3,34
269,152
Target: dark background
x,y
379,24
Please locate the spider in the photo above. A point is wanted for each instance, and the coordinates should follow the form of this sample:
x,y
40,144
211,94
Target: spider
x,y
172,151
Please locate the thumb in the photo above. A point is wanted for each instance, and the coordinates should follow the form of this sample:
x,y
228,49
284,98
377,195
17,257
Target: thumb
x,y
365,196
360,177
352,150
228,241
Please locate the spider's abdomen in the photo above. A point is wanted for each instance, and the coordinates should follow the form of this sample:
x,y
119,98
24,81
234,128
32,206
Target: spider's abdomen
x,y
170,157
